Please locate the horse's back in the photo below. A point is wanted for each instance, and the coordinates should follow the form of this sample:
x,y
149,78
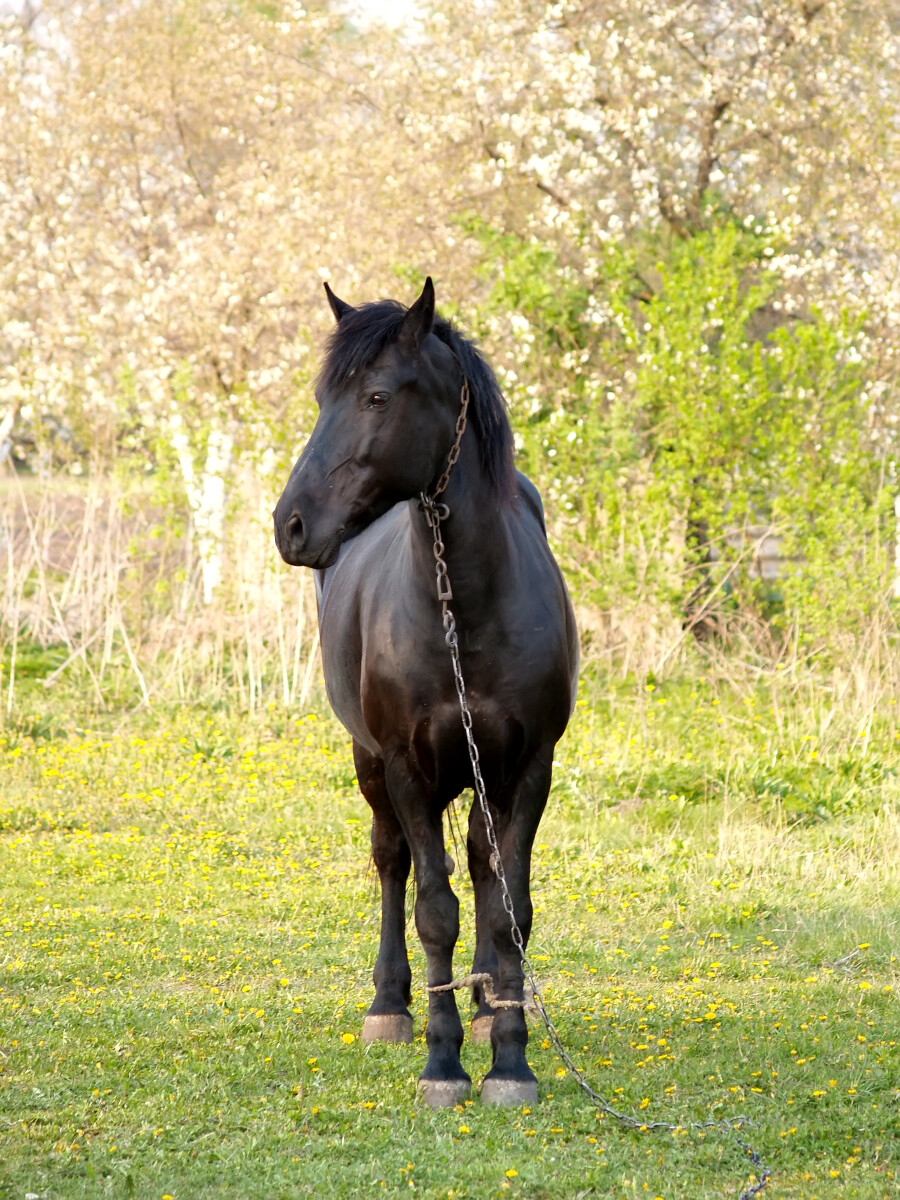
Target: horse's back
x,y
531,498
546,583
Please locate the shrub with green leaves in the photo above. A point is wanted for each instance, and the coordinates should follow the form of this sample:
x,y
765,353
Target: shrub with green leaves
x,y
675,413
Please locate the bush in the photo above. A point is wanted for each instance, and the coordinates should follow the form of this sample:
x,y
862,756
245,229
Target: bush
x,y
675,416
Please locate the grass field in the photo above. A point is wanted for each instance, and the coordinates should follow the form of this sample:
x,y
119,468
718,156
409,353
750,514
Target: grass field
x,y
188,929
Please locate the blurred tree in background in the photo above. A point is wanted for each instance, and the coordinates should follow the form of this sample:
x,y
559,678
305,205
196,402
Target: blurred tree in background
x,y
674,228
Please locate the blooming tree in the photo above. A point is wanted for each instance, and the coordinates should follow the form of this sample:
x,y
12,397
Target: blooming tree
x,y
176,176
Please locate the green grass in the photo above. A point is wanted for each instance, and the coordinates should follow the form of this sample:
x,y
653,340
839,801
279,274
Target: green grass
x,y
188,929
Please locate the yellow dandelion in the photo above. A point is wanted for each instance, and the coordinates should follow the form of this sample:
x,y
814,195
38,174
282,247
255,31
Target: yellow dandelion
x,y
511,1173
348,1038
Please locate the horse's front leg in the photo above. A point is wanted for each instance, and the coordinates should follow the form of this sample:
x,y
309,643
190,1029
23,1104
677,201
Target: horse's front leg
x,y
510,1079
388,1019
443,1082
484,885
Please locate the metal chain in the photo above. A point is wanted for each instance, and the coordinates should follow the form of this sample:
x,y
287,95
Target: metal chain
x,y
454,449
434,515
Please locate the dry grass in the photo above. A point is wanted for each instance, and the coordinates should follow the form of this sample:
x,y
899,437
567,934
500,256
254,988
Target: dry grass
x,y
114,580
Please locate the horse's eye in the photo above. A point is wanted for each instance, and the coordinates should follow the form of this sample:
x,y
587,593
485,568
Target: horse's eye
x,y
378,399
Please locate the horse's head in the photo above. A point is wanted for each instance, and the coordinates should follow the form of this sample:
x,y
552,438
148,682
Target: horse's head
x,y
388,401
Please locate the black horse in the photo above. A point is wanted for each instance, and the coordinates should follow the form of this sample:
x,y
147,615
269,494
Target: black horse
x,y
389,398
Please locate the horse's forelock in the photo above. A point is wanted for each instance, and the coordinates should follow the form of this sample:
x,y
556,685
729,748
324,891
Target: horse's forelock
x,y
358,339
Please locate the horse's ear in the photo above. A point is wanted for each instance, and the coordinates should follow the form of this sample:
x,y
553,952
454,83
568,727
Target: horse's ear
x,y
339,307
419,318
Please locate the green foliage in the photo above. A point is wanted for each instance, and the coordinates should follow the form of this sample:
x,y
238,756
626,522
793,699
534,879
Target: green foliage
x,y
528,278
699,399
833,498
821,791
675,416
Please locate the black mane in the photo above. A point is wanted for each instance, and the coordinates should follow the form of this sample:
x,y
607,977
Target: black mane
x,y
364,332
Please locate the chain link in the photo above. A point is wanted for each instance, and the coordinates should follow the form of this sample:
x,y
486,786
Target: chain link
x,y
454,449
434,515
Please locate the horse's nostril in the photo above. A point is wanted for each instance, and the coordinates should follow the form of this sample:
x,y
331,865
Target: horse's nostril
x,y
293,527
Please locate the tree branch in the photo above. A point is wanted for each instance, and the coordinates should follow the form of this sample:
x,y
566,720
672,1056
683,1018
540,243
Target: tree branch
x,y
708,157
554,195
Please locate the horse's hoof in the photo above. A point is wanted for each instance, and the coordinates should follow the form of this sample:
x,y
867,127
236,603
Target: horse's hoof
x,y
480,1029
387,1027
509,1091
442,1093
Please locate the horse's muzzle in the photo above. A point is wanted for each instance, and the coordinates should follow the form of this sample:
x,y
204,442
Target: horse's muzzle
x,y
298,549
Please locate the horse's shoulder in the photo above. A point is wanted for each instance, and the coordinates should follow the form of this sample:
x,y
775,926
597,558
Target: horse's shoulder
x,y
531,498
366,556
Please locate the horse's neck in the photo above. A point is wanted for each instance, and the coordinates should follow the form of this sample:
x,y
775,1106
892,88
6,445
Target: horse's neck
x,y
475,534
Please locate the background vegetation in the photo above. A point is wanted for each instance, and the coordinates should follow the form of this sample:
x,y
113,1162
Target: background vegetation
x,y
674,229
